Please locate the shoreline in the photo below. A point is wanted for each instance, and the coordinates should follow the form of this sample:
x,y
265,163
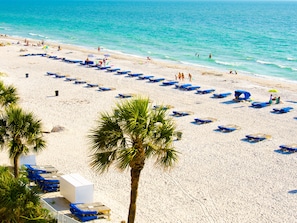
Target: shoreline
x,y
219,178
121,55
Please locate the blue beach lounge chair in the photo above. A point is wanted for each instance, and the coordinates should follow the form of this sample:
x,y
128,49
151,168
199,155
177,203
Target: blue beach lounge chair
x,y
59,76
168,83
92,85
70,79
191,88
79,82
207,91
257,137
123,71
204,120
74,61
156,79
145,77
51,74
106,89
125,95
292,148
181,113
260,104
112,69
282,110
221,95
104,67
228,128
163,107
90,211
134,74
182,86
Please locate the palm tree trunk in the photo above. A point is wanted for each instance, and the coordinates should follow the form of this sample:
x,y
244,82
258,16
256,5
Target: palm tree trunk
x,y
16,165
135,175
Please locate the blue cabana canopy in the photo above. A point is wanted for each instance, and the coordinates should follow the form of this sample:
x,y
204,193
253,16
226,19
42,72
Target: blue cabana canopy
x,y
242,95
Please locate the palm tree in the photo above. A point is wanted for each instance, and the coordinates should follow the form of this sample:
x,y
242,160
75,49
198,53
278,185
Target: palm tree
x,y
8,95
127,137
20,132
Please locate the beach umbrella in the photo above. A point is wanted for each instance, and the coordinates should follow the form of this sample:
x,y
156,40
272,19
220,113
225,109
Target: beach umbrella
x,y
273,90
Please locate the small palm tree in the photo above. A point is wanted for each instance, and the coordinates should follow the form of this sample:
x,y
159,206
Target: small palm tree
x,y
18,203
127,137
8,95
20,132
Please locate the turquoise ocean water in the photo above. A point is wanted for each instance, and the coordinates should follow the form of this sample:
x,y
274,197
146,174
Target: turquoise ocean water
x,y
257,38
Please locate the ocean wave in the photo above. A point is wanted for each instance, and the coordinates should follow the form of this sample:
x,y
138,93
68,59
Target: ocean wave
x,y
233,64
291,59
2,28
285,67
166,57
264,62
39,35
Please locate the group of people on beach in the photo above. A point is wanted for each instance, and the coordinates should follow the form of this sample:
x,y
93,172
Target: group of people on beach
x,y
181,76
197,55
274,98
27,43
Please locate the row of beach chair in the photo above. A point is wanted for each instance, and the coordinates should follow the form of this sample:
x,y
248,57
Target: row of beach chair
x,y
189,87
252,138
46,177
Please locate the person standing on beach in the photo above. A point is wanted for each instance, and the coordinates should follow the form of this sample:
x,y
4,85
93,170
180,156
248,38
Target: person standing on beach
x,y
270,99
190,77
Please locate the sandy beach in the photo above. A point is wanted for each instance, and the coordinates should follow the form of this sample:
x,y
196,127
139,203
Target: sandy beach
x,y
220,177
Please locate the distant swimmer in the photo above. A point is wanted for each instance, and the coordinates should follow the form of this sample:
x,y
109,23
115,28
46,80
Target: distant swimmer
x,y
210,56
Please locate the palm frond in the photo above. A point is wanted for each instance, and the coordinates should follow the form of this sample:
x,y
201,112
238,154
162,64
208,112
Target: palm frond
x,y
133,131
125,157
101,161
8,95
166,157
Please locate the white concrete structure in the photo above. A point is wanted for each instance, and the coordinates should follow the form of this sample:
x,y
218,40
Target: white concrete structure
x,y
76,189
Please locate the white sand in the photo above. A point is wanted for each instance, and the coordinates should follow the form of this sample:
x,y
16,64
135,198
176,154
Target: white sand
x,y
219,177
